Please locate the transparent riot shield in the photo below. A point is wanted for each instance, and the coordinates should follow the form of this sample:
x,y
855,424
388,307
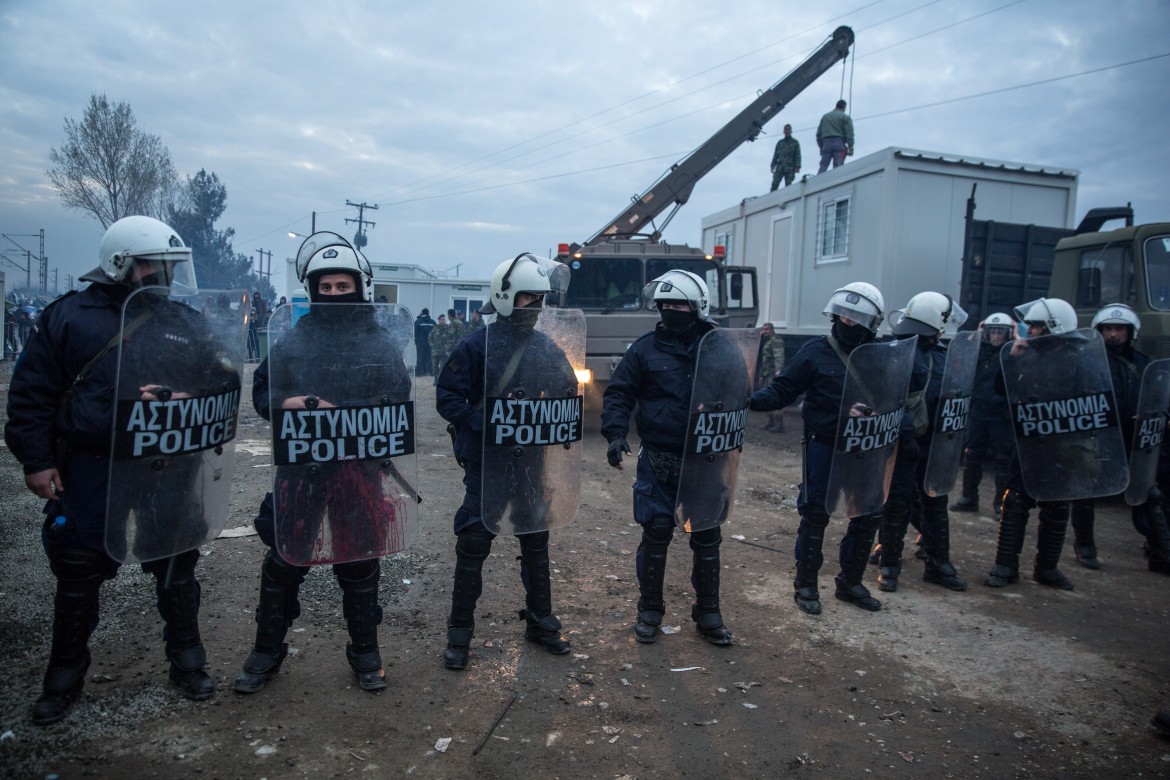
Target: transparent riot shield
x,y
1064,416
177,399
533,422
876,382
343,432
949,431
1148,428
720,395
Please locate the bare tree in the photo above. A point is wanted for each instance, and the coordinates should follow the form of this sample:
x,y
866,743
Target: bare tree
x,y
109,168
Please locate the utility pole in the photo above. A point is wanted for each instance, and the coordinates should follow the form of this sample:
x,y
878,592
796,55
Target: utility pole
x,y
359,238
266,274
44,265
43,271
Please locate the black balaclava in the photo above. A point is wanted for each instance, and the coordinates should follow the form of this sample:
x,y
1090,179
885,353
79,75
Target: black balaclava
x,y
1124,349
350,297
850,336
678,323
926,343
334,314
523,320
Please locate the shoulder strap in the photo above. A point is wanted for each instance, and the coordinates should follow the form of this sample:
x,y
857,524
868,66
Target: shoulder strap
x,y
113,342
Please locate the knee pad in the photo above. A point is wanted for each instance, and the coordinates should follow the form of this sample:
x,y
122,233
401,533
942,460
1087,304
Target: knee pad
x,y
533,543
475,542
1014,500
283,572
815,515
79,563
870,522
932,505
659,530
265,521
1053,512
356,572
898,505
711,537
176,570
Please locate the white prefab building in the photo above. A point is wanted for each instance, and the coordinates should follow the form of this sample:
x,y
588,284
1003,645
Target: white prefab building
x,y
417,288
894,219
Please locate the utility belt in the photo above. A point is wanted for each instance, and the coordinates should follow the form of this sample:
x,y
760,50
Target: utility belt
x,y
667,466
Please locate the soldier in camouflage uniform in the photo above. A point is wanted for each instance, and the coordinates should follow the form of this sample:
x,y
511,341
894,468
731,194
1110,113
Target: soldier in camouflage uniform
x,y
768,364
458,328
785,160
441,343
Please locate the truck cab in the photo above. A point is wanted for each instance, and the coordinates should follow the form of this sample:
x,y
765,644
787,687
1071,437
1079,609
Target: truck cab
x,y
1128,265
607,282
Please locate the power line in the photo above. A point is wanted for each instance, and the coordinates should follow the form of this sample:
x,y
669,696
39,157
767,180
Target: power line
x,y
1016,87
870,116
406,189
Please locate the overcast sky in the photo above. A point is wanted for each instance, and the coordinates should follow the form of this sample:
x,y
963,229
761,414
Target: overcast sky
x,y
485,129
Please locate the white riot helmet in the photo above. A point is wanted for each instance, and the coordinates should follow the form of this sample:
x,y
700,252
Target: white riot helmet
x,y
860,302
134,240
929,314
681,286
526,273
1054,314
1117,314
326,252
998,322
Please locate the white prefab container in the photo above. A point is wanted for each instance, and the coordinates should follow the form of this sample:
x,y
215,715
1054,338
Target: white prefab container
x,y
894,219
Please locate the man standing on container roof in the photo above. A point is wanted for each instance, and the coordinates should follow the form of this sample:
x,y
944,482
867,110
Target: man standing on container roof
x,y
835,137
786,159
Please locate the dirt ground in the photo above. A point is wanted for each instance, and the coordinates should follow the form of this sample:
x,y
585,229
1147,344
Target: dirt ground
x,y
1020,682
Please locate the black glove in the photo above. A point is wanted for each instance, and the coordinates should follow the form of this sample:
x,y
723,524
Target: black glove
x,y
755,405
614,453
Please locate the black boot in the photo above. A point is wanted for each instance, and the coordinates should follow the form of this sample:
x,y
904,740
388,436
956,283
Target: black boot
x,y
891,541
178,603
705,579
280,582
75,611
472,547
543,626
936,530
656,536
1053,525
1157,534
810,539
854,557
1013,519
363,615
1082,519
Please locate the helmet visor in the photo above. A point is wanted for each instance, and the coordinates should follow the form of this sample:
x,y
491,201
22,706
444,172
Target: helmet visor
x,y
862,312
173,271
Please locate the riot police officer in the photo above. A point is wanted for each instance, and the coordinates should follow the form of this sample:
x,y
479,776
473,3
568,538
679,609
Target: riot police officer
x,y
818,370
1118,325
510,354
924,319
336,356
989,438
654,383
60,416
1042,317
